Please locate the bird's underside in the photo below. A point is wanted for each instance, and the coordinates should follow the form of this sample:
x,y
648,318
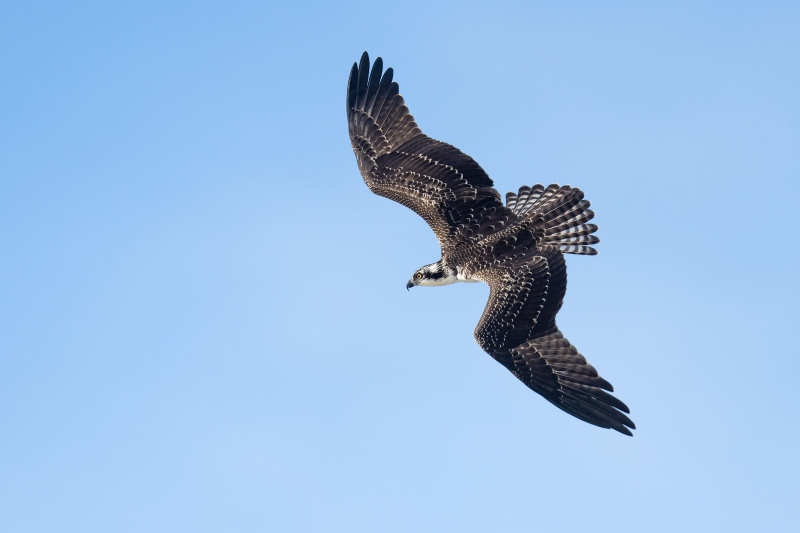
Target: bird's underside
x,y
517,248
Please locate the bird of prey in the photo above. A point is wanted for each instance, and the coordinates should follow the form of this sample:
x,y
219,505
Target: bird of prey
x,y
517,248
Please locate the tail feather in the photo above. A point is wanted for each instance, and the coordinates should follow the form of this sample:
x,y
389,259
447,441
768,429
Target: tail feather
x,y
572,206
562,216
579,219
521,202
585,239
577,231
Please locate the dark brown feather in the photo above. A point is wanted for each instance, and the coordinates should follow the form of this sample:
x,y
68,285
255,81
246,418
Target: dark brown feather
x,y
517,249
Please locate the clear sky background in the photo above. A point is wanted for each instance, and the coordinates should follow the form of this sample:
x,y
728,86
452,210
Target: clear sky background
x,y
204,325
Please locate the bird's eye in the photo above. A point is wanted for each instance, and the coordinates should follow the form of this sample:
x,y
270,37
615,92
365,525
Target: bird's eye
x,y
418,275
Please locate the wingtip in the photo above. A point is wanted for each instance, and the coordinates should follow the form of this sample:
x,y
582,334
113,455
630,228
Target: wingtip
x,y
352,86
364,63
626,427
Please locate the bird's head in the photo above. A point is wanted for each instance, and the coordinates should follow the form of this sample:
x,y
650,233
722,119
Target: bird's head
x,y
432,275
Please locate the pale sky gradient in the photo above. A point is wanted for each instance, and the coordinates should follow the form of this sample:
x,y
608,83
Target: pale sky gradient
x,y
204,325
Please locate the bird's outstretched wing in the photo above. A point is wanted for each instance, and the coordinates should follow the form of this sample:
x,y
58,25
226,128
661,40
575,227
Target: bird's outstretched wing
x,y
518,329
444,186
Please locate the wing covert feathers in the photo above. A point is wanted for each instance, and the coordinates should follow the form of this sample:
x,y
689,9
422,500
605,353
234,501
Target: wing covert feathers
x,y
518,329
443,185
551,366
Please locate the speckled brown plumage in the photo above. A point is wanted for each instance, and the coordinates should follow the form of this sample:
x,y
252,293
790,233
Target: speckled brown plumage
x,y
517,248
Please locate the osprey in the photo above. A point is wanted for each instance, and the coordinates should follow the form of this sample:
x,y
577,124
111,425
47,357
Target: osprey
x,y
517,248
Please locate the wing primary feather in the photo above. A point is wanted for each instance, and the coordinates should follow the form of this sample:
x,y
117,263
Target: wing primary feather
x,y
581,415
363,79
595,404
352,84
383,92
372,86
595,392
599,418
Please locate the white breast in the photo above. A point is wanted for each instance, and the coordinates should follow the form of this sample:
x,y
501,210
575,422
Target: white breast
x,y
460,276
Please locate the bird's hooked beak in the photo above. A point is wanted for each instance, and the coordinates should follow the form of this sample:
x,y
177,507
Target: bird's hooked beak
x,y
410,284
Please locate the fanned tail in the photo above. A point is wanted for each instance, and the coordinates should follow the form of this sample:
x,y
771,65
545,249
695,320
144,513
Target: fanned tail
x,y
563,215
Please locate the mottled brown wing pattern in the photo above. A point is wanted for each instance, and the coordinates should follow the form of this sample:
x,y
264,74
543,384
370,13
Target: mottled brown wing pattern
x,y
423,176
446,187
551,366
516,248
525,296
518,329
377,117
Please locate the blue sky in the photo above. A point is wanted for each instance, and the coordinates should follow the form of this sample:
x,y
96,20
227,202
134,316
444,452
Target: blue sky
x,y
204,318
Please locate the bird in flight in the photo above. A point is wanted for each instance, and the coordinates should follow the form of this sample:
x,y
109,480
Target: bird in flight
x,y
517,248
